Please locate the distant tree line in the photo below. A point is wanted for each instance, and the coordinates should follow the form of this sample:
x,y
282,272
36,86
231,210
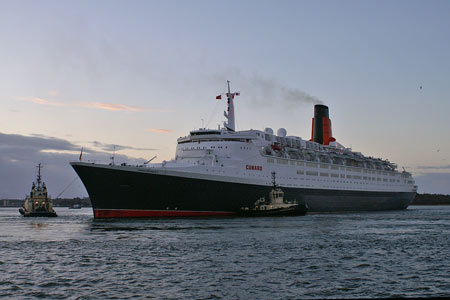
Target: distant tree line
x,y
68,202
59,202
431,199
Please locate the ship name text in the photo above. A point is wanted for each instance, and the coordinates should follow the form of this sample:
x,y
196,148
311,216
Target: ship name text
x,y
255,168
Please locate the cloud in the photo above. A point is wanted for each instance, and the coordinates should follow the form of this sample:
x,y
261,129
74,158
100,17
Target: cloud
x,y
20,154
447,167
43,101
96,105
53,93
159,130
35,142
111,106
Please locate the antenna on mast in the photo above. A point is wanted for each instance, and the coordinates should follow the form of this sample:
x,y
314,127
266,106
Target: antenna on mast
x,y
114,153
150,160
39,175
229,114
274,183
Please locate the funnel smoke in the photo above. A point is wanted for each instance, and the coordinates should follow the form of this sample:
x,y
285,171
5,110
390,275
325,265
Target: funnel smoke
x,y
268,92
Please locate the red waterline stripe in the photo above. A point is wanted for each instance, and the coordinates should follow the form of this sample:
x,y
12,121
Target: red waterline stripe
x,y
137,213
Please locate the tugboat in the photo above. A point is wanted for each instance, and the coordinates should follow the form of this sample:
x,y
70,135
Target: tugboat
x,y
75,206
276,206
38,204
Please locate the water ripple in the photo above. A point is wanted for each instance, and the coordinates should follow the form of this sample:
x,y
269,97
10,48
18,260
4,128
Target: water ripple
x,y
359,255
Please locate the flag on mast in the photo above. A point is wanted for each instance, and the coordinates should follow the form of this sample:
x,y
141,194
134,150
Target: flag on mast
x,y
219,97
81,154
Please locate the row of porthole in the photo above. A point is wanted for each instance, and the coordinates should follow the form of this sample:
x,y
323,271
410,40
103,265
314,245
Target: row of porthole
x,y
334,181
316,165
200,148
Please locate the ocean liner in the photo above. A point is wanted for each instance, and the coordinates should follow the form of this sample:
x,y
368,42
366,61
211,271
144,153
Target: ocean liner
x,y
215,172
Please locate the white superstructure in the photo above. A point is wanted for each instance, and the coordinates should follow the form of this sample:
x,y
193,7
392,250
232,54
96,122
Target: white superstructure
x,y
250,156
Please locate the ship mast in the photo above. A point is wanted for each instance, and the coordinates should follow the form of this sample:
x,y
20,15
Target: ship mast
x,y
229,114
39,176
274,184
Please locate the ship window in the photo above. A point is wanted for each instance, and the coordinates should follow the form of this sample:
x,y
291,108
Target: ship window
x,y
334,168
324,166
334,175
300,172
205,132
311,165
342,176
300,163
311,173
324,174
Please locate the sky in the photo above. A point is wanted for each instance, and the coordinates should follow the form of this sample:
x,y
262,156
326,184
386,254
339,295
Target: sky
x,y
130,77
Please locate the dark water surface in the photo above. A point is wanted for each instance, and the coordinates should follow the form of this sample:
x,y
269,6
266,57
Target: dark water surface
x,y
382,254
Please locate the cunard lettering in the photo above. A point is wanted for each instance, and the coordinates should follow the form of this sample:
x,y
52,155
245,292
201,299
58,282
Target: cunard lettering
x,y
255,168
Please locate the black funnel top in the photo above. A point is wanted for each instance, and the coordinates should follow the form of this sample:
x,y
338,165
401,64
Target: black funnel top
x,y
320,111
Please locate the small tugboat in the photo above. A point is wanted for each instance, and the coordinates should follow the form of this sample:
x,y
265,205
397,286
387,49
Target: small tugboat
x,y
38,204
276,206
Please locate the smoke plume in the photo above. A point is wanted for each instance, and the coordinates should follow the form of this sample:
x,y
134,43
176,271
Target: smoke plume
x,y
268,92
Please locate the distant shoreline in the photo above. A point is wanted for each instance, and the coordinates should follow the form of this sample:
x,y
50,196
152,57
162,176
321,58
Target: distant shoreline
x,y
431,199
421,199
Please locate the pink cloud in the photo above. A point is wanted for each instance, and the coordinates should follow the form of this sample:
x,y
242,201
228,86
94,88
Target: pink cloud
x,y
111,106
96,105
43,101
159,130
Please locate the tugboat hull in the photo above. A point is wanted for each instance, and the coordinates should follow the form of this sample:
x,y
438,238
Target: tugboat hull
x,y
298,210
40,214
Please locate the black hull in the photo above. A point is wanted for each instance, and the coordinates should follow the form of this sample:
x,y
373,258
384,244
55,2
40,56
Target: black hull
x,y
40,214
116,192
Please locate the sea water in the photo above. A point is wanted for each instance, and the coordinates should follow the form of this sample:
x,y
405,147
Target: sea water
x,y
348,255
